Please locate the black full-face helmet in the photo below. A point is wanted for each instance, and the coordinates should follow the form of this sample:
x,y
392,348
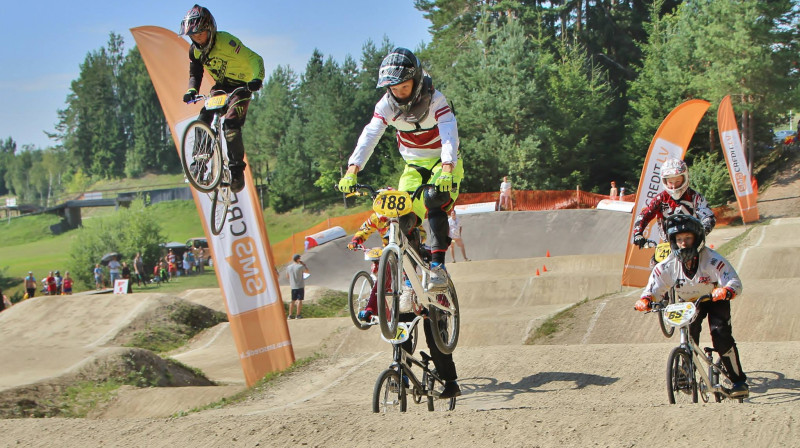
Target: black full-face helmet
x,y
684,223
398,67
197,20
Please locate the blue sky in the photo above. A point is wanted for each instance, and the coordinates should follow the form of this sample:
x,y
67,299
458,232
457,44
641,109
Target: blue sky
x,y
45,42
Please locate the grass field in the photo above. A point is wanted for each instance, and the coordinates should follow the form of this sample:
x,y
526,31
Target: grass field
x,y
26,243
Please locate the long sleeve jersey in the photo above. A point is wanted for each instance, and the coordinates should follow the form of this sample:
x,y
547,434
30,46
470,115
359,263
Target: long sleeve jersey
x,y
713,271
663,206
229,62
381,224
435,137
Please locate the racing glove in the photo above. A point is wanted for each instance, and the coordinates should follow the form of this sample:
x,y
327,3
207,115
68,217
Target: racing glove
x,y
444,183
348,183
355,243
639,240
643,304
189,95
255,85
721,294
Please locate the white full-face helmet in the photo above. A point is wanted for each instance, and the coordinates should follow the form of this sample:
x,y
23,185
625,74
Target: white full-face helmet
x,y
675,168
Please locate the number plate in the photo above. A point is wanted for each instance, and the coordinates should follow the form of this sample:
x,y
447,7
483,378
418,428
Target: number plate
x,y
393,203
662,252
680,314
215,102
401,336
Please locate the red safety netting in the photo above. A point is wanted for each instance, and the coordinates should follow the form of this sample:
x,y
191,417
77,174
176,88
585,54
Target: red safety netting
x,y
523,200
530,200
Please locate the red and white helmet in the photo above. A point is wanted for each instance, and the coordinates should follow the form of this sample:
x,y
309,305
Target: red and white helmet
x,y
675,168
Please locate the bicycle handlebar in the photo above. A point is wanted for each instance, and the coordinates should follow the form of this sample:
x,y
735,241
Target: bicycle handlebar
x,y
201,97
373,192
658,306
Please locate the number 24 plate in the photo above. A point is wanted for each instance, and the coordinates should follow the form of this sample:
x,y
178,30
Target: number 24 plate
x,y
215,102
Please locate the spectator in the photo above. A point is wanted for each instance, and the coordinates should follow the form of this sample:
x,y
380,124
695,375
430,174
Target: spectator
x,y
67,284
455,236
188,261
59,282
163,271
173,268
126,275
295,273
621,193
114,270
50,281
98,276
199,260
4,302
138,269
505,195
30,285
614,193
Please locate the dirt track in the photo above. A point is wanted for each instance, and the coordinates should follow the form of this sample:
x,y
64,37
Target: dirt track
x,y
598,382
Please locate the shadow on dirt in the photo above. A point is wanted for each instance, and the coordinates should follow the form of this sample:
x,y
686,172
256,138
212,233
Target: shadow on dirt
x,y
772,387
540,382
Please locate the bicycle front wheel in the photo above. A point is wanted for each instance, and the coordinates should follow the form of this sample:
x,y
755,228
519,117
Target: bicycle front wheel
x,y
201,156
389,293
358,297
389,395
446,324
220,202
666,329
681,383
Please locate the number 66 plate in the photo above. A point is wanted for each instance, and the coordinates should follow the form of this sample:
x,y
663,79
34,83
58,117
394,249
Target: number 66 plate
x,y
392,203
680,314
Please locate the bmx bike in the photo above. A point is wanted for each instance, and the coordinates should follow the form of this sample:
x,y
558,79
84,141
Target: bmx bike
x,y
399,257
361,287
390,393
687,361
204,163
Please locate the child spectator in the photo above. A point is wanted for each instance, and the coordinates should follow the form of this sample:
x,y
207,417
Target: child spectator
x,y
67,284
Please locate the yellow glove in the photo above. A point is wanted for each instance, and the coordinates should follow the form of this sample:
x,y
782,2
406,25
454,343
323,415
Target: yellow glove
x,y
444,182
348,183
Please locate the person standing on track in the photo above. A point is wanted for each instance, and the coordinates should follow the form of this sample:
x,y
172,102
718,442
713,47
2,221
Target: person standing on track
x,y
232,65
295,273
695,270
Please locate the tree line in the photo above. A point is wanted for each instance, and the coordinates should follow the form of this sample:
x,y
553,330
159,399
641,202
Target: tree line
x,y
555,94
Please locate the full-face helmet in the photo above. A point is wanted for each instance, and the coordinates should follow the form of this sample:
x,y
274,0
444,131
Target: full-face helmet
x,y
676,224
675,168
398,67
197,20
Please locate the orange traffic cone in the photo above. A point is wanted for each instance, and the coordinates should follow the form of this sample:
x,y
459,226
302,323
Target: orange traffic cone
x,y
548,253
544,268
537,272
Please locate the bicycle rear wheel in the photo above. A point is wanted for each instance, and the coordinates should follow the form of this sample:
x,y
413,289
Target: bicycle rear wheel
x,y
666,329
358,297
389,395
220,203
446,324
681,383
389,298
436,403
201,156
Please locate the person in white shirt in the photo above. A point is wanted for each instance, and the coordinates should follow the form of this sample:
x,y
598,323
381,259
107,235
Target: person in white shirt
x,y
695,270
505,195
454,222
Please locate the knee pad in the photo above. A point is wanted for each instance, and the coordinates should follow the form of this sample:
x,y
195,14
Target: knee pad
x,y
436,200
232,134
